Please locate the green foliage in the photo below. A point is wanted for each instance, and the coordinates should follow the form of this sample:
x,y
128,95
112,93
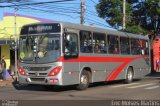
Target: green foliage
x,y
142,16
136,29
111,11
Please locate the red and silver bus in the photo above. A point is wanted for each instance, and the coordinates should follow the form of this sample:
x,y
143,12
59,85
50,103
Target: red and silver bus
x,y
71,54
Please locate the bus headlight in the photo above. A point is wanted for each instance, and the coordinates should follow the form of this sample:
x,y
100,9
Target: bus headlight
x,y
55,71
21,71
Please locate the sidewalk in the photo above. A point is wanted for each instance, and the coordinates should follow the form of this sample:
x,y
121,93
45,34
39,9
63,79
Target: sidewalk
x,y
154,75
7,82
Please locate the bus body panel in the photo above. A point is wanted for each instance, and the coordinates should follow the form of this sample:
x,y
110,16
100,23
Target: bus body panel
x,y
70,73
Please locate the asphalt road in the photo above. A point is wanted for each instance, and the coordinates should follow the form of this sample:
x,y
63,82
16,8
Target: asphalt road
x,y
145,89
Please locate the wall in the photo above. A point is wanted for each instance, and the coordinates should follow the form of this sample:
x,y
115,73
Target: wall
x,y
6,52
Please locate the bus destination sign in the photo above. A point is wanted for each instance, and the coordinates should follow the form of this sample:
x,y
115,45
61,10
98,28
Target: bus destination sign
x,y
41,28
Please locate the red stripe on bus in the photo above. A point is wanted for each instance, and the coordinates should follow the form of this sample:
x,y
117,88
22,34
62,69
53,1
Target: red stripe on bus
x,y
113,75
96,59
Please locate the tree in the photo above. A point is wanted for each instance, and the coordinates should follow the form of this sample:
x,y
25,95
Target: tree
x,y
142,16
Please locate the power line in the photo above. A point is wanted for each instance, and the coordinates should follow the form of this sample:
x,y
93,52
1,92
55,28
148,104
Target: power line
x,y
69,8
50,11
51,6
93,2
38,3
62,10
95,18
91,13
98,23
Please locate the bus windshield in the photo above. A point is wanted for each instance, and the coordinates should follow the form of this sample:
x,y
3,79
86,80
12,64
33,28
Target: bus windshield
x,y
39,48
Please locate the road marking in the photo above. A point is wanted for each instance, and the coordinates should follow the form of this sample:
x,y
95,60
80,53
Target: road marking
x,y
141,85
153,87
123,85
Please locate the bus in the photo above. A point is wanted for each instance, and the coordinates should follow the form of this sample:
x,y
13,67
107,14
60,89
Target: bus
x,y
156,53
62,54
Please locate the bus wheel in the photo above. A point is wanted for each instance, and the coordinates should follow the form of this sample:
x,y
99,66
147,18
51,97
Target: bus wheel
x,y
84,81
129,75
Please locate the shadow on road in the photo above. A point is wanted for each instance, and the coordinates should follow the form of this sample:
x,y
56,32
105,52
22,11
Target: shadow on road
x,y
109,83
51,88
48,88
154,74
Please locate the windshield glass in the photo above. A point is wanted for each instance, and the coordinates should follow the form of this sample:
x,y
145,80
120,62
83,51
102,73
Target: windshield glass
x,y
40,48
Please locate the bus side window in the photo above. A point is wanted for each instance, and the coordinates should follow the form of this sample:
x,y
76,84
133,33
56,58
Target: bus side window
x,y
113,44
136,46
71,45
145,47
86,43
124,45
99,44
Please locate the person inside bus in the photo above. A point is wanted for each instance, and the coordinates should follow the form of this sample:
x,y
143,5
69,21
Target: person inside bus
x,y
103,47
43,45
84,46
29,48
97,48
90,44
116,51
67,44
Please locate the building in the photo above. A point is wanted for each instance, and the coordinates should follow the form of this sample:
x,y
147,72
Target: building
x,y
7,33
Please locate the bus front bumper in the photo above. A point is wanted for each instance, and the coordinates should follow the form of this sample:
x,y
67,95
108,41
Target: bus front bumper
x,y
39,80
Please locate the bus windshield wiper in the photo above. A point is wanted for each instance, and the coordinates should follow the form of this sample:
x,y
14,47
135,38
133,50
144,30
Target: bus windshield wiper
x,y
28,60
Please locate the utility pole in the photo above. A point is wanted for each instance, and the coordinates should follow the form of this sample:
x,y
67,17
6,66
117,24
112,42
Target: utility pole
x,y
124,14
15,39
82,11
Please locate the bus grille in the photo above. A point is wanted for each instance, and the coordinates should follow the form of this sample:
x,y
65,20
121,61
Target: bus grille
x,y
38,68
37,79
39,74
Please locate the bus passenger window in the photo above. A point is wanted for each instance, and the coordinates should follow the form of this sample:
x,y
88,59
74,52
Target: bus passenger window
x,y
136,46
99,40
124,45
113,44
86,42
71,44
145,47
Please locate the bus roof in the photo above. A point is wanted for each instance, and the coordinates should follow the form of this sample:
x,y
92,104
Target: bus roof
x,y
95,29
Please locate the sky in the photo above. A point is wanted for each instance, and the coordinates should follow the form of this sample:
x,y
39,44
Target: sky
x,y
67,11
